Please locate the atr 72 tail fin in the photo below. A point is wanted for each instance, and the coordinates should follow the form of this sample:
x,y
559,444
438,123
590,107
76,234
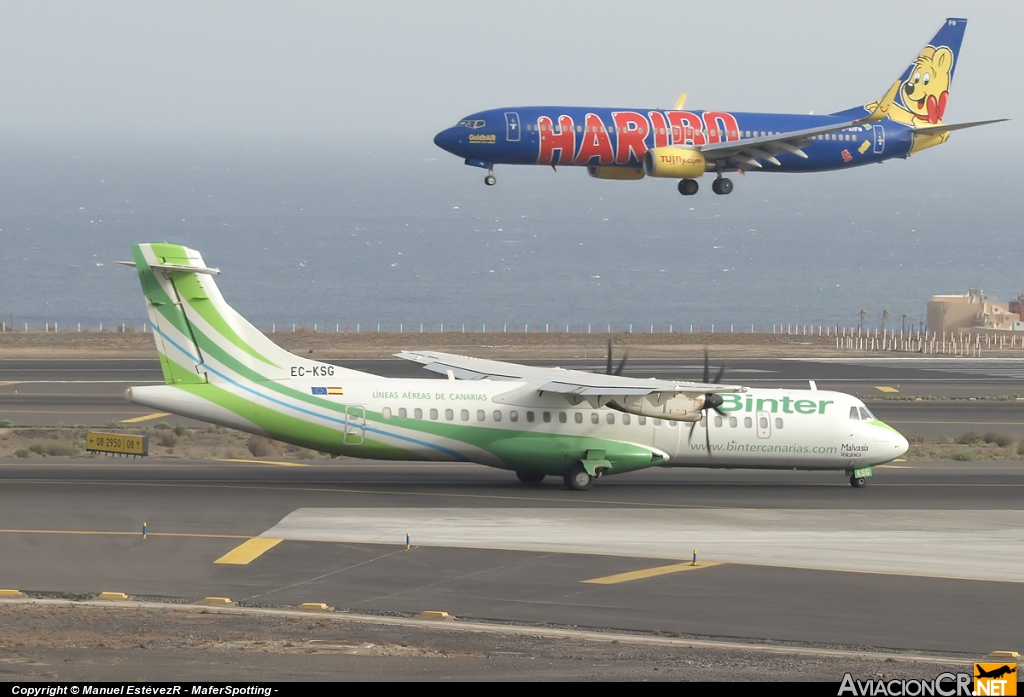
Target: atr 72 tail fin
x,y
199,336
919,96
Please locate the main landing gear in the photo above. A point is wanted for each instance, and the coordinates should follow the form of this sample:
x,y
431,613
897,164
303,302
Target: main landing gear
x,y
722,186
688,187
577,478
530,477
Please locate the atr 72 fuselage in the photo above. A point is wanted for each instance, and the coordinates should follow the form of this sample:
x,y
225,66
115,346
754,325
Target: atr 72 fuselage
x,y
618,138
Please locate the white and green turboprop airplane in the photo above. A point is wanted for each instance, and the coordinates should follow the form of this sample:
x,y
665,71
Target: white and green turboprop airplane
x,y
534,421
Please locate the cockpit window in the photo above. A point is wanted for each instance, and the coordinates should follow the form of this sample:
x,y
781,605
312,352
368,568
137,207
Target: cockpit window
x,y
853,414
472,123
865,414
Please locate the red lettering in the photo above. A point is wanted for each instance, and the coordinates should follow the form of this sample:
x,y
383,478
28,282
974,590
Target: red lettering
x,y
687,128
722,126
660,128
630,131
563,140
595,143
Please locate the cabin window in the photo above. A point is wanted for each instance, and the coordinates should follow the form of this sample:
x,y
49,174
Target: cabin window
x,y
418,413
530,417
579,417
513,416
529,126
748,422
546,416
610,418
449,415
853,414
865,414
433,414
703,421
594,418
386,413
657,422
733,422
642,420
778,423
402,413
762,422
714,132
497,414
579,129
481,415
718,422
464,414
562,417
625,419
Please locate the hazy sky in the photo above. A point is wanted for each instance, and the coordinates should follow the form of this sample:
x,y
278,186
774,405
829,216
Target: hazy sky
x,y
403,70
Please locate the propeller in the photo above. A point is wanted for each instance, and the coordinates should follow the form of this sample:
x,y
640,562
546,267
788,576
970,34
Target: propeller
x,y
711,401
622,363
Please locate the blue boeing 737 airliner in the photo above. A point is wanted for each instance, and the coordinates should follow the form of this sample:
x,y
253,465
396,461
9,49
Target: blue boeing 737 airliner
x,y
678,144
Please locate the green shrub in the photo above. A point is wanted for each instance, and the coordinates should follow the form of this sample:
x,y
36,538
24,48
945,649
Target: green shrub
x,y
162,425
969,438
966,456
914,438
180,430
168,439
23,452
36,448
6,424
1020,448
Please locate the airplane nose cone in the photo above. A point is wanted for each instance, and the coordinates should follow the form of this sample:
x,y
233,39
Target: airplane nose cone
x,y
446,140
902,446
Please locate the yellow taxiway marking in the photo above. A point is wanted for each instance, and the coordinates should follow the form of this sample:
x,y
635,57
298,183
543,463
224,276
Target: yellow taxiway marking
x,y
249,550
262,462
651,573
885,388
13,382
147,417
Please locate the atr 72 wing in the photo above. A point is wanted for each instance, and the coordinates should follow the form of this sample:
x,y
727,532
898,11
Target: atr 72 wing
x,y
669,399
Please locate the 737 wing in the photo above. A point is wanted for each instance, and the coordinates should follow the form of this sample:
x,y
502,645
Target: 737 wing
x,y
663,399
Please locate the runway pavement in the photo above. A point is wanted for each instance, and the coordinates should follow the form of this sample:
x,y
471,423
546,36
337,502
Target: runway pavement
x,y
90,392
910,562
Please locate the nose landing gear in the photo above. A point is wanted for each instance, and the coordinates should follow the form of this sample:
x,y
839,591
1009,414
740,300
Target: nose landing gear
x,y
490,179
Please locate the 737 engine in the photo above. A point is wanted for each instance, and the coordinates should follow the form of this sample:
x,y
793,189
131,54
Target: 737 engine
x,y
674,163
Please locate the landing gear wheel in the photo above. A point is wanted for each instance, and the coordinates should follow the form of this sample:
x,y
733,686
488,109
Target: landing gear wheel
x,y
490,180
722,186
530,477
858,482
688,187
577,478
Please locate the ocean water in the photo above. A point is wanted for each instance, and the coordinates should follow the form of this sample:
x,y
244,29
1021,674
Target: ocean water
x,y
341,235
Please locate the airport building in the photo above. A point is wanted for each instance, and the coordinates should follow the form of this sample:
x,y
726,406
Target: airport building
x,y
973,312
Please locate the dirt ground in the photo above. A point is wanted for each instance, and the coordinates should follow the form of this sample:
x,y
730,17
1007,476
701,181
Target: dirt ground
x,y
77,642
510,346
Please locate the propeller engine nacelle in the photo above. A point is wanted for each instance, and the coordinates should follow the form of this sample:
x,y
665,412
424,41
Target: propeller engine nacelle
x,y
678,408
620,173
674,163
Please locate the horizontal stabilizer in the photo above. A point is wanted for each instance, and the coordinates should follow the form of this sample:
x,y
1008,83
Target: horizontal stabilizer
x,y
955,126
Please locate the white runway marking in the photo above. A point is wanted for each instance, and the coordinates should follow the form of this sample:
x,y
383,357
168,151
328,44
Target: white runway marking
x,y
980,545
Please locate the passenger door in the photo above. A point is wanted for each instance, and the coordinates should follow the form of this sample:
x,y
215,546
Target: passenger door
x,y
512,127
